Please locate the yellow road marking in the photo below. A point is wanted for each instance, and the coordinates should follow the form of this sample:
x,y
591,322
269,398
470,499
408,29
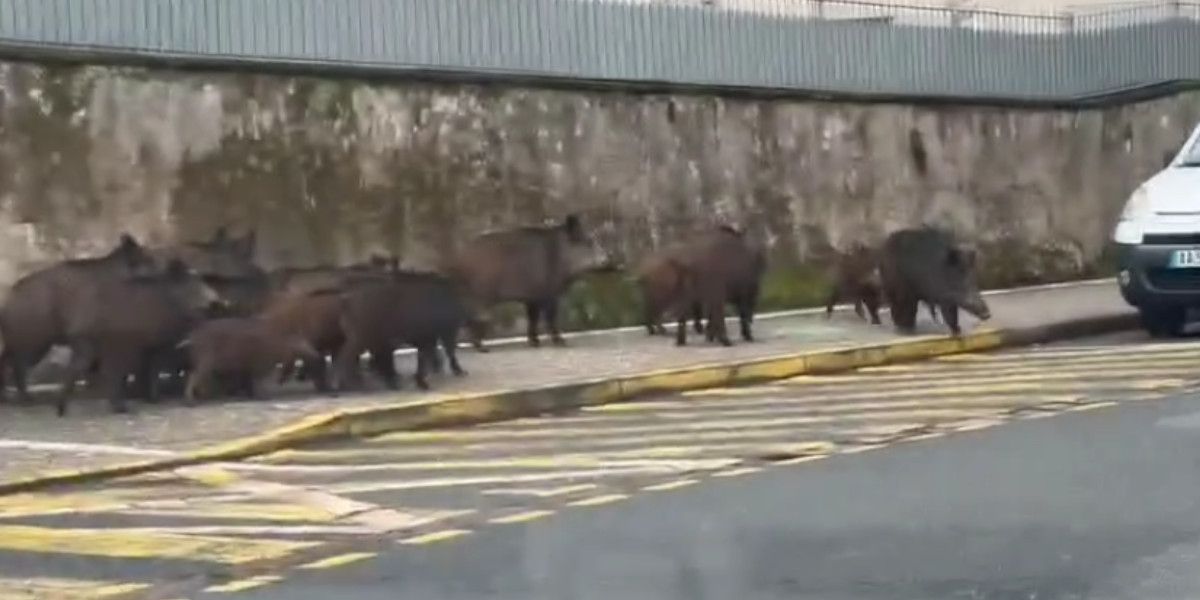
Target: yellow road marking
x,y
598,500
521,517
863,448
337,561
541,493
923,437
436,536
515,462
634,406
670,485
801,459
243,584
118,543
928,378
440,482
63,589
211,476
241,511
734,391
1092,406
737,472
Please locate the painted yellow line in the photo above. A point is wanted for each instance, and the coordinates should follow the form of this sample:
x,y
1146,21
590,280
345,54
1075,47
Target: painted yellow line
x,y
118,543
521,517
1092,406
863,448
734,391
41,588
355,457
492,480
634,406
337,561
933,378
923,437
737,472
434,537
541,493
565,461
978,424
598,500
241,511
670,485
801,459
243,584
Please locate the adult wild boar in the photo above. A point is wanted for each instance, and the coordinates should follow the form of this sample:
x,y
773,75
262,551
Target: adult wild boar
x,y
40,306
414,309
720,265
129,323
928,265
226,263
531,265
302,280
856,277
244,350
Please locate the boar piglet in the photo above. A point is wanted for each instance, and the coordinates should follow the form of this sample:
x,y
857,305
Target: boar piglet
x,y
243,350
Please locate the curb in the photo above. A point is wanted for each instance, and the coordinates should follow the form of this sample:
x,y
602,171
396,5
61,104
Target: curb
x,y
470,409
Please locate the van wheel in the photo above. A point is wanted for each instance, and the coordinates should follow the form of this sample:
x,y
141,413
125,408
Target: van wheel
x,y
1164,321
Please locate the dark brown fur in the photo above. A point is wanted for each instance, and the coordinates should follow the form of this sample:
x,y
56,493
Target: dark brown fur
x,y
244,349
662,283
128,323
720,266
314,316
36,314
416,309
856,277
530,265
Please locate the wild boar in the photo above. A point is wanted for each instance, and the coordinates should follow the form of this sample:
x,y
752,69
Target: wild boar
x,y
415,309
856,277
719,266
530,265
243,349
128,323
661,283
41,304
928,265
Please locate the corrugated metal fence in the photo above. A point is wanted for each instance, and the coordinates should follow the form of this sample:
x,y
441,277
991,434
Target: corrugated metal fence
x,y
811,45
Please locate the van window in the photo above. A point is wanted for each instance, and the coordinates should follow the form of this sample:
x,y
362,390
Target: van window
x,y
1192,157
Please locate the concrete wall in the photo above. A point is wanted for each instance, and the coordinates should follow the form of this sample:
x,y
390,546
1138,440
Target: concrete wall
x,y
332,170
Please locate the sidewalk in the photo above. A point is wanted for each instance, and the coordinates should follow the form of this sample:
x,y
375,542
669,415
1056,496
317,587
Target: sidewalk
x,y
34,441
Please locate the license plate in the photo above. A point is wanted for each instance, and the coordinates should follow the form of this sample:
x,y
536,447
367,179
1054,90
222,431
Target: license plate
x,y
1185,259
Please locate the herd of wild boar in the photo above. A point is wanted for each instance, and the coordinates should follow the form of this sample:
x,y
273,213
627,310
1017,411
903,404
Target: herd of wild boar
x,y
202,318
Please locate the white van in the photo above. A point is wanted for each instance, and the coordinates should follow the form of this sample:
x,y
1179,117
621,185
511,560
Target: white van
x,y
1158,241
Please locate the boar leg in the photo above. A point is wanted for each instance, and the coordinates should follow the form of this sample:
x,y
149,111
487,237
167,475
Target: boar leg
x,y
115,365
450,346
834,295
714,304
319,375
384,365
950,315
346,366
550,310
423,352
200,373
82,357
531,323
745,310
872,301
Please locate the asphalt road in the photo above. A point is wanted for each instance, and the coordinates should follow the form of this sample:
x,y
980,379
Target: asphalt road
x,y
1052,472
1097,504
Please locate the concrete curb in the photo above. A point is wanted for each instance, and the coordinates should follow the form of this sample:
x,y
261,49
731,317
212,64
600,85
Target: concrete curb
x,y
467,409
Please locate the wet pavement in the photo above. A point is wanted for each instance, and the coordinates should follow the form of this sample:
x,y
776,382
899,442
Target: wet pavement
x,y
890,482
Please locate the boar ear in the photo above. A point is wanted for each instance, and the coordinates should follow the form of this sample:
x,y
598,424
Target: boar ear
x,y
128,242
574,227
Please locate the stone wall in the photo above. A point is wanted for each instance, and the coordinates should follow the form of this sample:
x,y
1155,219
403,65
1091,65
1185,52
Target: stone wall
x,y
331,170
